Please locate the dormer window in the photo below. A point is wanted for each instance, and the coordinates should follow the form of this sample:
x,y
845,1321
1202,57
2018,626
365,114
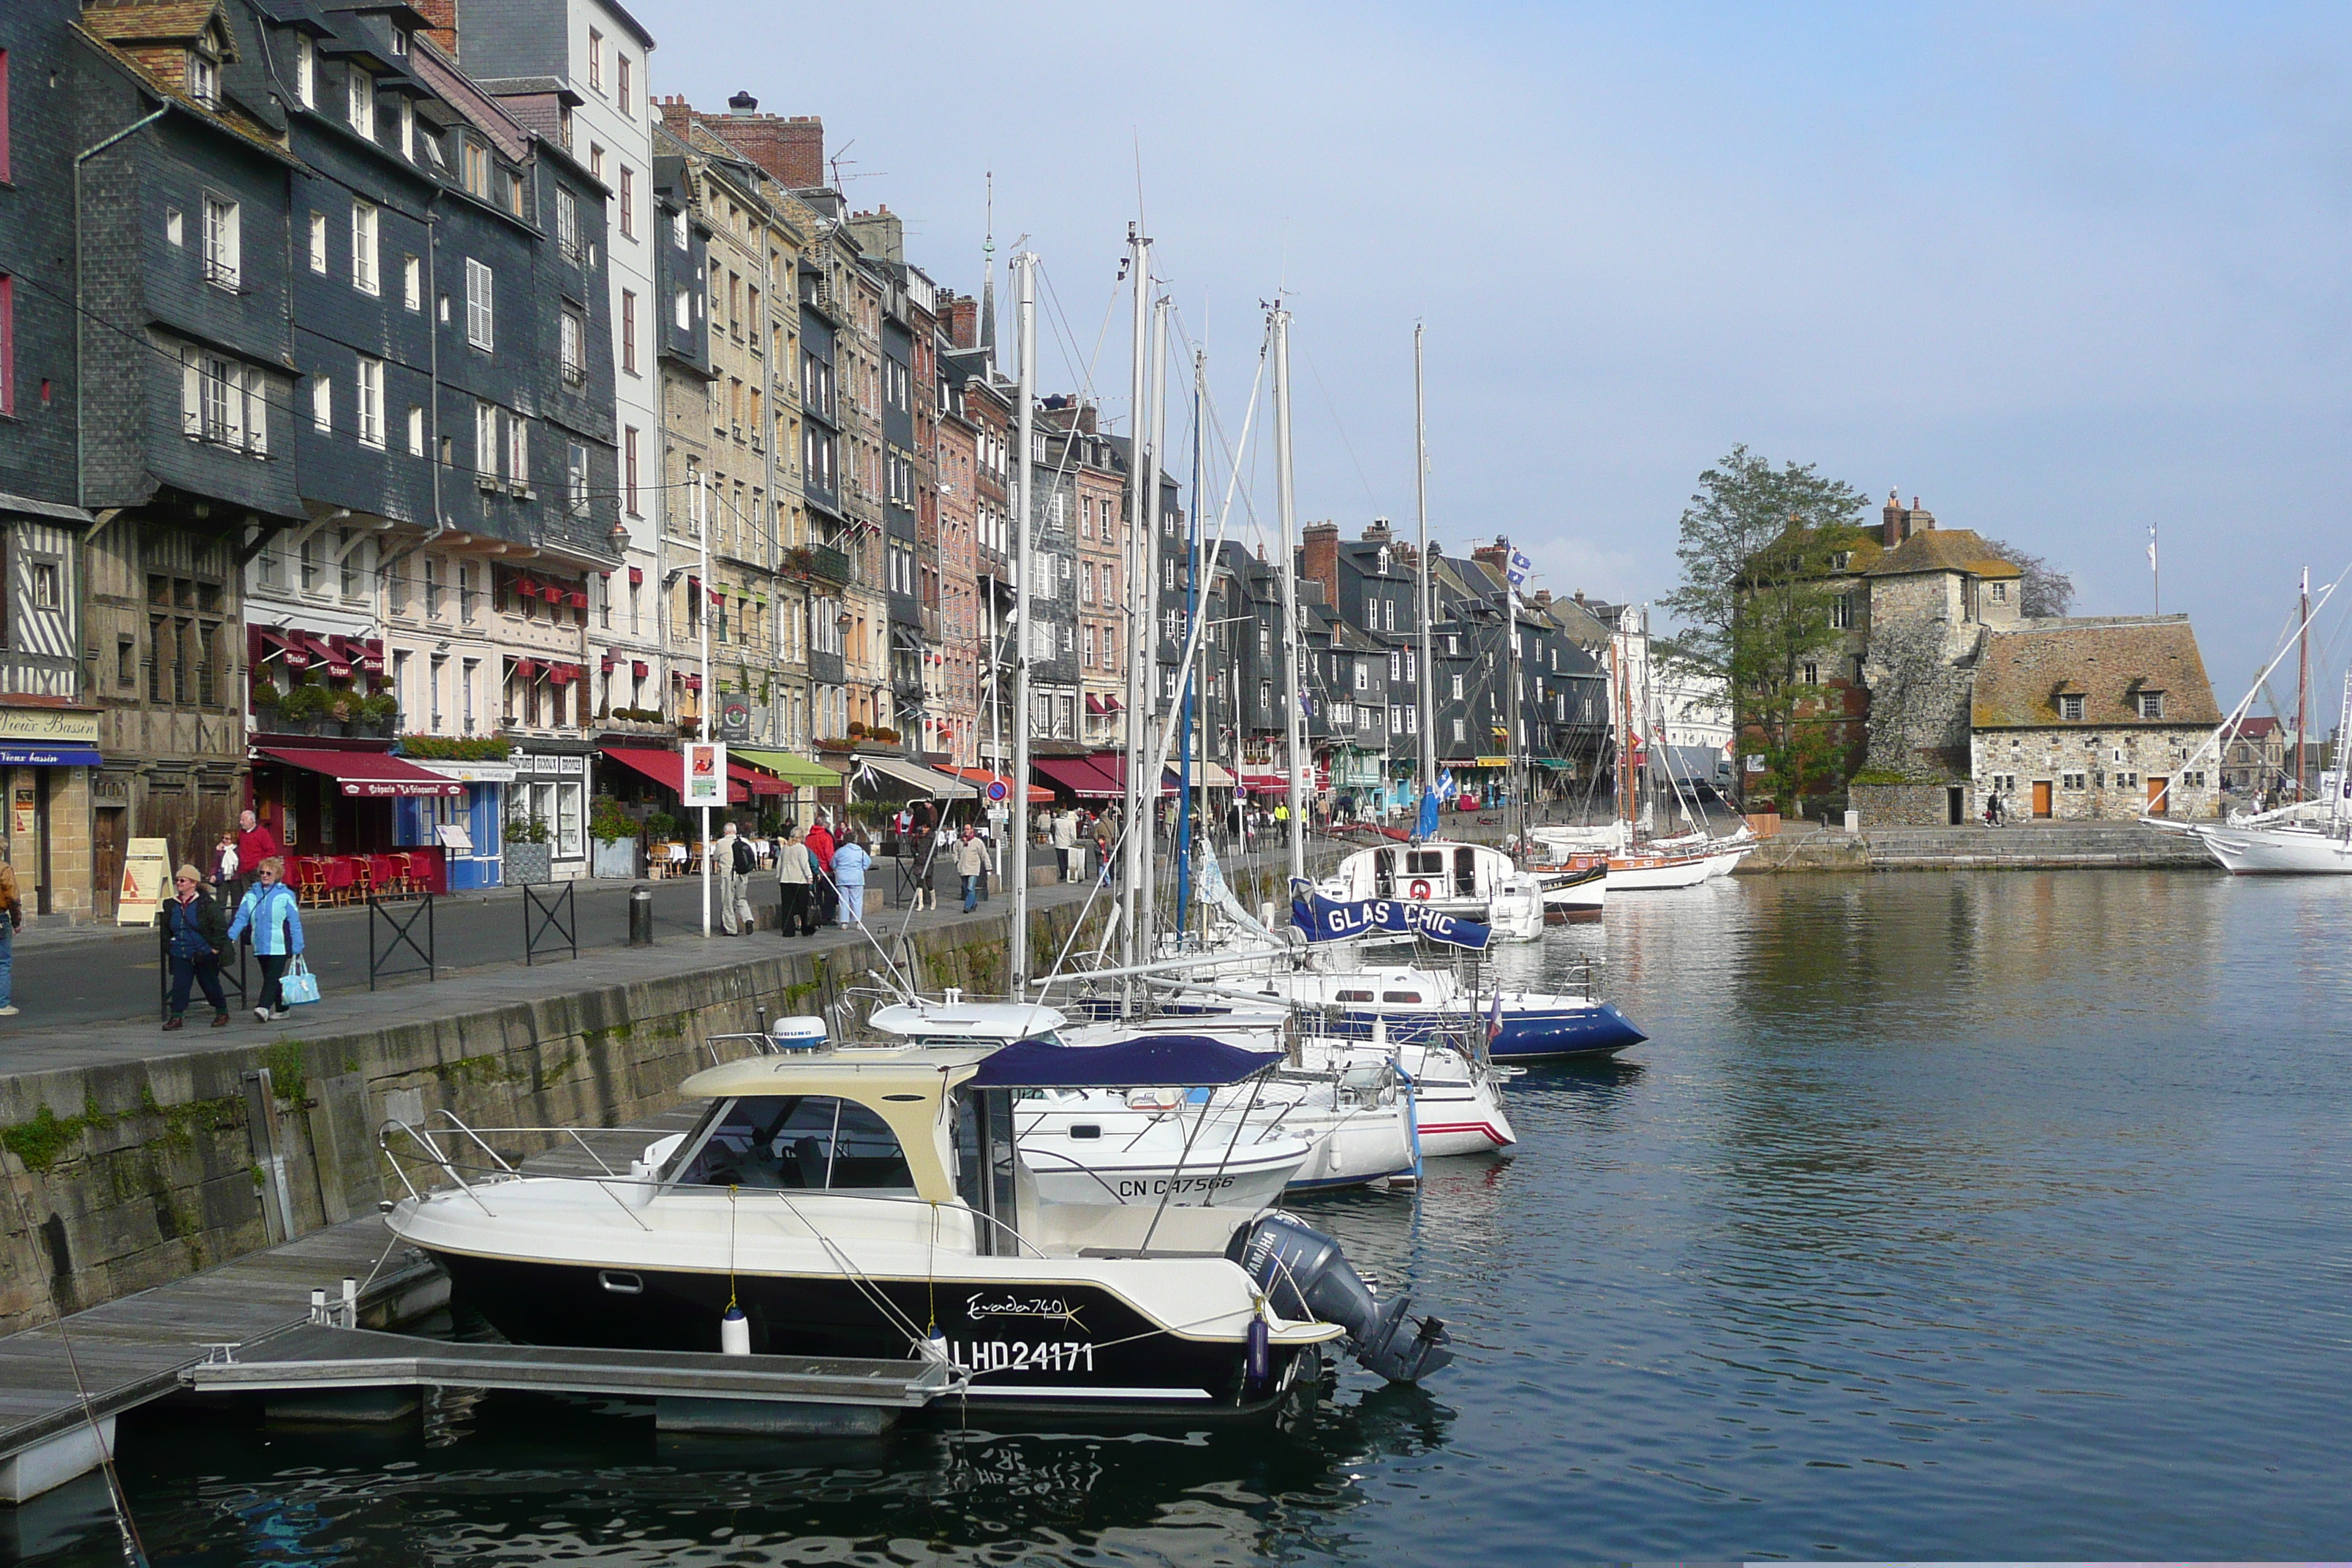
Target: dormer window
x,y
1839,559
306,69
2070,707
400,40
477,171
2001,592
204,79
2151,704
363,103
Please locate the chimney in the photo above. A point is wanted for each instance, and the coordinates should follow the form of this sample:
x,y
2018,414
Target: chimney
x,y
791,149
1893,525
880,233
1322,563
677,116
441,23
1579,595
1497,555
1922,519
1542,600
961,312
1377,531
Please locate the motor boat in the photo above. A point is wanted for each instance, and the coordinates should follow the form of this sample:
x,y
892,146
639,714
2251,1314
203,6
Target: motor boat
x,y
871,1203
1469,881
1307,1127
1457,1106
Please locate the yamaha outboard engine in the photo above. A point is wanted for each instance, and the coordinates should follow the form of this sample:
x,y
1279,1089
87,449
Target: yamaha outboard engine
x,y
1305,1275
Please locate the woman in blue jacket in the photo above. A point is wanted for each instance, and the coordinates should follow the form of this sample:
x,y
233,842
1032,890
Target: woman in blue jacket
x,y
272,914
849,865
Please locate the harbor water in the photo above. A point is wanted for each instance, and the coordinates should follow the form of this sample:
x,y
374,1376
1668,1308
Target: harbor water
x,y
1980,1215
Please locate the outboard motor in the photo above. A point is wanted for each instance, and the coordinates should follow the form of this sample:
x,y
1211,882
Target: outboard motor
x,y
1305,1275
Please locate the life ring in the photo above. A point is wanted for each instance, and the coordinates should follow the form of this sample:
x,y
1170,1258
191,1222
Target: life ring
x,y
1419,889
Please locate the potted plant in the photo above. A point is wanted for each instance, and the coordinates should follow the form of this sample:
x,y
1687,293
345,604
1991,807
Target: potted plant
x,y
264,702
529,857
303,708
616,836
380,712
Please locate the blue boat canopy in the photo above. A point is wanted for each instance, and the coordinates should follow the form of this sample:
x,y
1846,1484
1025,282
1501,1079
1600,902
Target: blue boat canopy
x,y
1172,1061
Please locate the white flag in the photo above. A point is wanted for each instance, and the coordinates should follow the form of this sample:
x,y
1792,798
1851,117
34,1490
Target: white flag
x,y
2151,547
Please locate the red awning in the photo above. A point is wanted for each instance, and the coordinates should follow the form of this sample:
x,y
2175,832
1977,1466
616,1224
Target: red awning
x,y
563,674
367,776
609,662
1112,765
338,666
668,769
636,574
527,667
756,782
1267,783
1038,794
1078,775
640,668
290,650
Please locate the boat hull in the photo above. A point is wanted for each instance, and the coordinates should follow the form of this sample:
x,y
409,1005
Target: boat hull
x,y
1060,1346
2276,852
1528,1034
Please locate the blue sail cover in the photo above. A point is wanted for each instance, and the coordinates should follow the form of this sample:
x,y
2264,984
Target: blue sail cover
x,y
1425,825
1330,919
1172,1062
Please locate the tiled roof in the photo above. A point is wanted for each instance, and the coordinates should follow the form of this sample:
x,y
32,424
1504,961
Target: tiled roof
x,y
2107,661
150,21
1941,549
454,87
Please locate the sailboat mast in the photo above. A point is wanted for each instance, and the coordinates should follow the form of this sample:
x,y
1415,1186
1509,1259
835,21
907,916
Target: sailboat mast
x,y
1511,734
1293,689
1142,677
2303,686
1185,773
1427,718
1024,567
1140,649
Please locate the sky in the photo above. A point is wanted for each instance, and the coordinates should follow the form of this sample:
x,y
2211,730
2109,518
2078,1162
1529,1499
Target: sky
x,y
2059,271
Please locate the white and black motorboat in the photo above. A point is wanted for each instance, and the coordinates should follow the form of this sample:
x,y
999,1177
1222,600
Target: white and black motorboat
x,y
871,1203
1469,881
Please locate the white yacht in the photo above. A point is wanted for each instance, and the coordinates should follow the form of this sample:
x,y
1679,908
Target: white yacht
x,y
1470,881
871,1203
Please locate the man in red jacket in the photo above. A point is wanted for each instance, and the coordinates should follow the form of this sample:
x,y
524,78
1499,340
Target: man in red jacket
x,y
824,899
255,843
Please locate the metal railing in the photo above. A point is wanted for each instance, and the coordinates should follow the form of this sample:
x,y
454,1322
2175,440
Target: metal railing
x,y
390,930
556,913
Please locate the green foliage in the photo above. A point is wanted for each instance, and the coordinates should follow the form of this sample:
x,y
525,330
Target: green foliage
x,y
1878,776
288,1080
607,823
639,715
1756,546
454,747
42,1141
380,709
524,827
305,702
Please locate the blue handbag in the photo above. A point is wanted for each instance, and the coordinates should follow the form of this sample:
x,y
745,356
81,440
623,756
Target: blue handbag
x,y
299,985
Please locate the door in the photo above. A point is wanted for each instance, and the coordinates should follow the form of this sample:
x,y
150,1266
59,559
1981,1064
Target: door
x,y
106,860
2158,797
1955,810
2041,797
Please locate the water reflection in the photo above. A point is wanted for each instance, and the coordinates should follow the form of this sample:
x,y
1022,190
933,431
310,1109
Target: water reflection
x,y
1986,1214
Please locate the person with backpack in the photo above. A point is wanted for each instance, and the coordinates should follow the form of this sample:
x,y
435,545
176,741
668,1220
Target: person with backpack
x,y
731,865
824,898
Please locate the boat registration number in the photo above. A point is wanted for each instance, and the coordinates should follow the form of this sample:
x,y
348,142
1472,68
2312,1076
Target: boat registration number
x,y
1022,1355
1165,1186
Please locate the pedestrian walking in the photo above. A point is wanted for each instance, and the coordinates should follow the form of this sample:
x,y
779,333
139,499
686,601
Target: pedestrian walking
x,y
972,865
794,873
733,863
850,861
271,917
226,860
198,944
923,841
12,921
1065,842
824,897
1102,849
255,843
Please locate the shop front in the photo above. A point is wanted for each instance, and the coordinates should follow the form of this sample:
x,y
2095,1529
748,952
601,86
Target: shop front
x,y
468,827
806,780
550,793
68,856
329,800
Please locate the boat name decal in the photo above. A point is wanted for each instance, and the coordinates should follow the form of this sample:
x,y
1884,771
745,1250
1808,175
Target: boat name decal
x,y
1160,1186
1053,1308
1020,1356
1330,919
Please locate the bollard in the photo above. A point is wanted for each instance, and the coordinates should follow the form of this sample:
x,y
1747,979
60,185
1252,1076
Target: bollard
x,y
641,916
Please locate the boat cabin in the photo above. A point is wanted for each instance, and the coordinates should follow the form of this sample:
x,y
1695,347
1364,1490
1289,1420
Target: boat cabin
x,y
1435,871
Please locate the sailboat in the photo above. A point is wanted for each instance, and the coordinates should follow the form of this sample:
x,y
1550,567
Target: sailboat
x,y
2309,838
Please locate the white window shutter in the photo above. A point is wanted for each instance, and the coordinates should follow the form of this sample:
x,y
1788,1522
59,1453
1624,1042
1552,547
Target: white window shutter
x,y
192,394
257,413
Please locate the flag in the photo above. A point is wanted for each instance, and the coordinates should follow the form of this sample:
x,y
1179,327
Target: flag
x,y
2151,547
1426,827
1494,1018
1446,788
1517,574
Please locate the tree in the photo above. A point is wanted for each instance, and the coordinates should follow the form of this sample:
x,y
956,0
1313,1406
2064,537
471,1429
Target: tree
x,y
1755,599
2046,591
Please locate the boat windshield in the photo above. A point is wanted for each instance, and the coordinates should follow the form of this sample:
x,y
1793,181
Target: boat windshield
x,y
801,1141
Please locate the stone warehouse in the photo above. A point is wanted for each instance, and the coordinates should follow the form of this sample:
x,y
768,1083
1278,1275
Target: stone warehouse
x,y
2088,718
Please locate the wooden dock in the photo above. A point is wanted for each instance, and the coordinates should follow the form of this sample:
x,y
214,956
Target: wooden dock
x,y
134,1350
692,1391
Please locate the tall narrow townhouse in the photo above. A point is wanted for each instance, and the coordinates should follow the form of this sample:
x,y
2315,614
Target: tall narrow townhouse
x,y
579,72
1083,504
48,727
955,463
859,353
1055,456
685,345
985,400
184,398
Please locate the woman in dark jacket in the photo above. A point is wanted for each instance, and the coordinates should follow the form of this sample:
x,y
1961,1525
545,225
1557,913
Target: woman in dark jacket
x,y
199,935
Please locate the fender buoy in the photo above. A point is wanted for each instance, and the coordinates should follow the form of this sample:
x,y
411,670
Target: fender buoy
x,y
1421,890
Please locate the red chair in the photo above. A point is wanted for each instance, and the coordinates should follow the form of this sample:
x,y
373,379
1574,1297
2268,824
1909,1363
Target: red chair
x,y
403,871
341,880
311,879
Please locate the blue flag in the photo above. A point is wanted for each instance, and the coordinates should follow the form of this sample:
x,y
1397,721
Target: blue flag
x,y
1426,826
1330,919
